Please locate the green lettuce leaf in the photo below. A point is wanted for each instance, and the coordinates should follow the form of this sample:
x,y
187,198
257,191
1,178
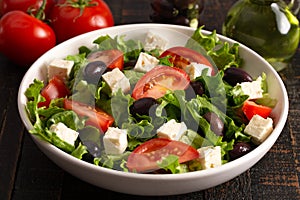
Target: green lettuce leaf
x,y
130,48
221,54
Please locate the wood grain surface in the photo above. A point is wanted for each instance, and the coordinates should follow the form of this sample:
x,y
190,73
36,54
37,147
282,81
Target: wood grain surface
x,y
27,174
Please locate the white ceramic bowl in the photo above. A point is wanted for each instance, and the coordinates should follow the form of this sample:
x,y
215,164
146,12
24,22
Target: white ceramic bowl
x,y
153,184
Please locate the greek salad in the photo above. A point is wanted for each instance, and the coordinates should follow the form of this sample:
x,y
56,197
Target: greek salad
x,y
137,106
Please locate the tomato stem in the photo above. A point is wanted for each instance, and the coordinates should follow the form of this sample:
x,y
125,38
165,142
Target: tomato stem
x,y
40,13
80,4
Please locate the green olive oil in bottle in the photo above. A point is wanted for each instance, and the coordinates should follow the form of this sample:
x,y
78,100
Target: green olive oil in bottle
x,y
269,27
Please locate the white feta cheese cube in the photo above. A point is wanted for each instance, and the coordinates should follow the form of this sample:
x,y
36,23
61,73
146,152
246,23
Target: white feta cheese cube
x,y
172,130
153,41
145,62
210,157
64,133
60,68
253,89
259,128
116,80
195,69
115,140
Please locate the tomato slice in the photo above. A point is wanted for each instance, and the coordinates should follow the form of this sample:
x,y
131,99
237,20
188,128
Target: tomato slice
x,y
145,157
113,58
160,79
96,117
181,57
251,108
56,88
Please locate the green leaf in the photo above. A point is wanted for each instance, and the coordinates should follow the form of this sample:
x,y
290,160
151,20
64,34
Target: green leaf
x,y
130,48
34,97
221,54
69,118
116,162
170,163
226,56
79,151
193,139
207,42
120,108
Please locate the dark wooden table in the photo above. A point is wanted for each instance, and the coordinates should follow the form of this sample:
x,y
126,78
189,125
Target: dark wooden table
x,y
26,173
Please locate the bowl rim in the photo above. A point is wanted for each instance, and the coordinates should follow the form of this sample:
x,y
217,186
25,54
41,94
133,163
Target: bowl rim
x,y
255,153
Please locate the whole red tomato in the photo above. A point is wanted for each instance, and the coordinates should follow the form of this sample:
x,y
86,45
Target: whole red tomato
x,y
24,38
70,18
25,5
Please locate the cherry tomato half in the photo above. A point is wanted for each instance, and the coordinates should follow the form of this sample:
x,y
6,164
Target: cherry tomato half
x,y
72,18
112,58
24,38
251,108
180,57
160,79
96,117
56,88
145,157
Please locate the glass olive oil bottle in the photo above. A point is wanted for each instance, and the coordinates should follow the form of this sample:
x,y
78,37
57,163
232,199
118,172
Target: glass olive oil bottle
x,y
269,27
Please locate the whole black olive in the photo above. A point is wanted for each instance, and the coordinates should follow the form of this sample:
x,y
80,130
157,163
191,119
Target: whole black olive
x,y
142,106
93,71
239,149
198,87
195,88
216,124
235,75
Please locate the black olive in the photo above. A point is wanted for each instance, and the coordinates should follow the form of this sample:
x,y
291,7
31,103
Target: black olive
x,y
239,149
216,124
93,71
142,106
235,75
196,88
130,64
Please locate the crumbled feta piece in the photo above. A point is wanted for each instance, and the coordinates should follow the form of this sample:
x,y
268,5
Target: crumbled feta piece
x,y
195,69
153,41
172,130
115,140
116,80
259,128
210,157
60,68
145,62
64,133
253,89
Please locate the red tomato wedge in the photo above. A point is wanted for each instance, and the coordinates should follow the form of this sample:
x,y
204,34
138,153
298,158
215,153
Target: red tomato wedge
x,y
145,157
113,58
56,88
160,79
251,108
96,117
182,56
